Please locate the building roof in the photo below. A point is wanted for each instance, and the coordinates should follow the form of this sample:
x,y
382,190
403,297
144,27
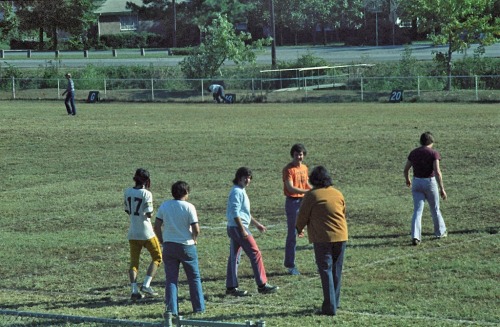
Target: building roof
x,y
116,6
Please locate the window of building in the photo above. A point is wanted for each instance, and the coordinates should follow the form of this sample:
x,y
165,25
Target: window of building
x,y
128,23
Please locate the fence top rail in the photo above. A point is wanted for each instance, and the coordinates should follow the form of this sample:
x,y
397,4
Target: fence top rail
x,y
119,322
242,79
315,68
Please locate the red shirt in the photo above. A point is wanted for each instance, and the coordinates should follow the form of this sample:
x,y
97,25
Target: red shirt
x,y
422,160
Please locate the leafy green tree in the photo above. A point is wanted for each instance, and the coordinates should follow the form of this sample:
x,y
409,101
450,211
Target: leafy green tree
x,y
221,43
297,15
456,23
51,16
197,13
161,10
9,25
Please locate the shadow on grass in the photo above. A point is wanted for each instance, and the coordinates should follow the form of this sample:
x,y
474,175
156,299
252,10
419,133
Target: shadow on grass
x,y
287,313
489,230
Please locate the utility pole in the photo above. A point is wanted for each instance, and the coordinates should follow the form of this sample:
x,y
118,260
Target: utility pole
x,y
273,35
374,6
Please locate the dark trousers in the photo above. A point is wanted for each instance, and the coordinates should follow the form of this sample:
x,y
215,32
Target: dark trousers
x,y
69,102
219,95
330,258
292,206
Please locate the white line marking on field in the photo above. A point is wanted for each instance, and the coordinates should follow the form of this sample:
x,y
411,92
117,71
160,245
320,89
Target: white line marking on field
x,y
418,253
435,319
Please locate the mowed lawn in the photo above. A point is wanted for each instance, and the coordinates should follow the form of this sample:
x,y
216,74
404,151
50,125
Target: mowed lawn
x,y
63,229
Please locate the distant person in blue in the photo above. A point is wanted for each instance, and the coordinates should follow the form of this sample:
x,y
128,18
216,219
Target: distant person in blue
x,y
218,93
69,102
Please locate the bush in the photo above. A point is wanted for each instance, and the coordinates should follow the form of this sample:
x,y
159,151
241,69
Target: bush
x,y
132,40
28,45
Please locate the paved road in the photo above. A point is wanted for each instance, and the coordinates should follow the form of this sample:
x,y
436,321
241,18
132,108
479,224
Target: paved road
x,y
333,55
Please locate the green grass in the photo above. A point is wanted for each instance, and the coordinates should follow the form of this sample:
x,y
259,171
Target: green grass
x,y
63,229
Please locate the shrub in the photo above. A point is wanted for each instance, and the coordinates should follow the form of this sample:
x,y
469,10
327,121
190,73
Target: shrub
x,y
132,40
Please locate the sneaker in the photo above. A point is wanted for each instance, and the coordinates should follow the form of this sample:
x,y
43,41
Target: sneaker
x,y
415,241
148,291
268,289
445,234
293,271
136,296
236,292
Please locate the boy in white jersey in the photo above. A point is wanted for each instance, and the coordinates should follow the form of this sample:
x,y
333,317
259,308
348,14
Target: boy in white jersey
x,y
138,204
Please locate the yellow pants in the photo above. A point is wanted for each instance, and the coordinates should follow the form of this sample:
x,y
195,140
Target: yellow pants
x,y
152,245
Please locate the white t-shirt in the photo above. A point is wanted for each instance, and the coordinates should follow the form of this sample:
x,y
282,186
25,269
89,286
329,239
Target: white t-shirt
x,y
214,88
139,202
177,217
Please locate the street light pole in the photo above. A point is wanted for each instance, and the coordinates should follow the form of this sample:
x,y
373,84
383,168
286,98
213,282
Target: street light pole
x,y
273,35
374,6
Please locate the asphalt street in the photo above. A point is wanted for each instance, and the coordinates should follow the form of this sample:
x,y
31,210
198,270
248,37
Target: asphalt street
x,y
332,54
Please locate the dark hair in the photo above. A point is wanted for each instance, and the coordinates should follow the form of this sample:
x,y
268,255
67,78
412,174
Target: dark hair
x,y
426,138
298,148
180,189
242,172
142,177
320,177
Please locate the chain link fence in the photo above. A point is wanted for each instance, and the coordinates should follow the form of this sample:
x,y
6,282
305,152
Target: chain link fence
x,y
12,318
327,88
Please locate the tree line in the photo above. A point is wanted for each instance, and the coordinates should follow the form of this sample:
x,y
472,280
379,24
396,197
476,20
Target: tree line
x,y
356,22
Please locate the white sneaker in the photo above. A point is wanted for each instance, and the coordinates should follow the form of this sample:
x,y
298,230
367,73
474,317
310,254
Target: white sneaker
x,y
148,291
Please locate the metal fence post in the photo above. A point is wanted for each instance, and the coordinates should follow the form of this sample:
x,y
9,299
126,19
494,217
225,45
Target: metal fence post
x,y
2,54
58,88
168,319
418,86
362,96
13,87
152,90
305,86
477,84
202,93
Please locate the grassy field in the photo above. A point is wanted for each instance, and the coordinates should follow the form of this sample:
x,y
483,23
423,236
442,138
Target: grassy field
x,y
63,229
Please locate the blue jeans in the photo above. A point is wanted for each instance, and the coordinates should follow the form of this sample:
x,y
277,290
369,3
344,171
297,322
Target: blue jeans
x,y
292,206
69,102
173,255
426,189
253,253
330,258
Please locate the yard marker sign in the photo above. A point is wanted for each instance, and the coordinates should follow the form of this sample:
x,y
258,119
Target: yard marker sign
x,y
231,97
93,97
396,96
